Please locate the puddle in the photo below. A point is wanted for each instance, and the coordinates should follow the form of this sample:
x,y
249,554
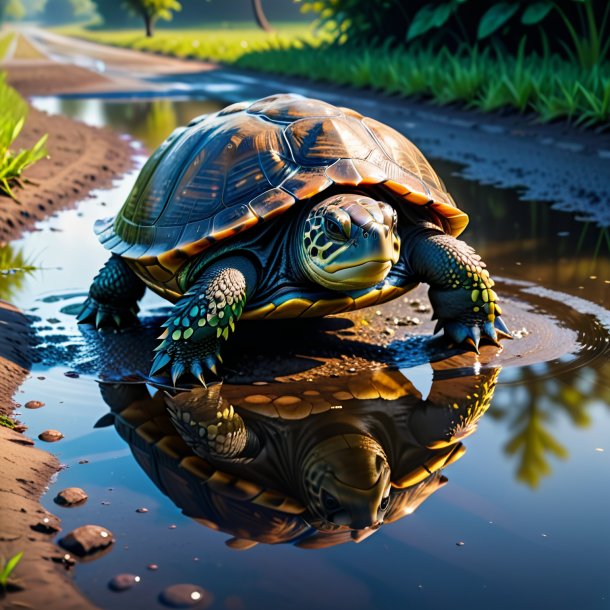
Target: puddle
x,y
529,500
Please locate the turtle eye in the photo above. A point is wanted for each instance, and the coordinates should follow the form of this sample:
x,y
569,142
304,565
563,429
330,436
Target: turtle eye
x,y
335,229
329,501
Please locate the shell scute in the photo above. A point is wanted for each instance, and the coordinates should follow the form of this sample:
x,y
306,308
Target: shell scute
x,y
249,163
270,204
288,108
307,182
322,141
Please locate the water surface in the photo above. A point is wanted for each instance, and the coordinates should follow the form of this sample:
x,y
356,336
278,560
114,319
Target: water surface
x,y
530,499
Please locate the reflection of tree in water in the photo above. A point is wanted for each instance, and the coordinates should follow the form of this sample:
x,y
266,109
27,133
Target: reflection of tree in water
x,y
14,268
531,406
152,121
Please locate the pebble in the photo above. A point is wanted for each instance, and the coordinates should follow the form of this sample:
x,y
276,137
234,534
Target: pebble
x,y
71,496
185,596
34,404
141,510
153,567
460,543
50,436
83,461
122,582
87,540
72,374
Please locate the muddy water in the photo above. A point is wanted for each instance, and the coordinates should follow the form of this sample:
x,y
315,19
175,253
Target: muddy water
x,y
522,519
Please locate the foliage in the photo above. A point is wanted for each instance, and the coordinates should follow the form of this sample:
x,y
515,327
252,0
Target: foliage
x,y
11,9
152,10
5,44
14,268
13,110
64,11
8,568
7,422
552,87
581,28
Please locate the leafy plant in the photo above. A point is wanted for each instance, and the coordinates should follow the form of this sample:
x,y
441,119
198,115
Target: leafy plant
x,y
8,569
14,267
7,422
13,111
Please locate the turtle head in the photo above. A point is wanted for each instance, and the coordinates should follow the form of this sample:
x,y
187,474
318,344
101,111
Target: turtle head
x,y
346,481
349,242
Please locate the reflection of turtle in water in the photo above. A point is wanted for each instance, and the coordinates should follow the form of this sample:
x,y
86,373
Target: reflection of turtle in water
x,y
287,207
340,455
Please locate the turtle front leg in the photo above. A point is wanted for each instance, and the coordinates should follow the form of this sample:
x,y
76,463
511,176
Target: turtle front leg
x,y
461,291
201,320
210,426
113,296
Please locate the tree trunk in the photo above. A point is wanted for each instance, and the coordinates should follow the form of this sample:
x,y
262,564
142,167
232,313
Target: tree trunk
x,y
259,16
148,22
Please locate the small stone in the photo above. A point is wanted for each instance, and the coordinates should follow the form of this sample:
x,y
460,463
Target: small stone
x,y
70,496
460,543
87,540
49,524
388,331
141,510
153,567
422,309
415,321
50,436
83,461
171,527
185,596
122,582
34,404
72,374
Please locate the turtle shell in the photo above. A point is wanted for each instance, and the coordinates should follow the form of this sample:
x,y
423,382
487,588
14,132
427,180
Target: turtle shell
x,y
228,171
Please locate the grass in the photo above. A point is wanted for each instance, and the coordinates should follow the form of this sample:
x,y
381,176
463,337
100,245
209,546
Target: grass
x,y
551,87
13,112
5,44
8,568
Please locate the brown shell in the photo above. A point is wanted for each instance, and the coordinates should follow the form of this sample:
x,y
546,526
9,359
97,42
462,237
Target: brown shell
x,y
228,171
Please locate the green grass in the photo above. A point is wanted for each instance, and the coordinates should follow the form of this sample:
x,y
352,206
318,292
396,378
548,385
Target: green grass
x,y
8,568
551,87
5,43
13,112
221,45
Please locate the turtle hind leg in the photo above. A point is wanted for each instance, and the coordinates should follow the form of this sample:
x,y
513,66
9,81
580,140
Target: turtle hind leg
x,y
201,321
113,296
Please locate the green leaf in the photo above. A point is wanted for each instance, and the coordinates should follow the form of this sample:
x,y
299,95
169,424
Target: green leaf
x,y
422,22
495,18
11,564
536,12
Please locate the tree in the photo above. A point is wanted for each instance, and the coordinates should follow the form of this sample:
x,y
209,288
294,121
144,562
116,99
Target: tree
x,y
152,10
260,17
11,9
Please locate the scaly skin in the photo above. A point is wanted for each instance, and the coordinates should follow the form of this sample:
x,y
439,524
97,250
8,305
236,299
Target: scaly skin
x,y
210,425
461,291
113,296
200,321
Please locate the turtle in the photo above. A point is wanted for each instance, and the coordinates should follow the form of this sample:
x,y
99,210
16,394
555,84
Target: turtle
x,y
285,207
277,460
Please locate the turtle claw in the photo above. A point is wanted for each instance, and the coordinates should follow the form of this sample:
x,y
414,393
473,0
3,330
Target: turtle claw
x,y
456,331
502,329
161,360
177,371
103,315
471,343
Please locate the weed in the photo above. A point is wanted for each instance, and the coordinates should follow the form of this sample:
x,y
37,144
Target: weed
x,y
13,110
8,569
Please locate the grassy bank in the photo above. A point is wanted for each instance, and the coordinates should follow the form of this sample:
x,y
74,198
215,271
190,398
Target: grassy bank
x,y
551,87
13,112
